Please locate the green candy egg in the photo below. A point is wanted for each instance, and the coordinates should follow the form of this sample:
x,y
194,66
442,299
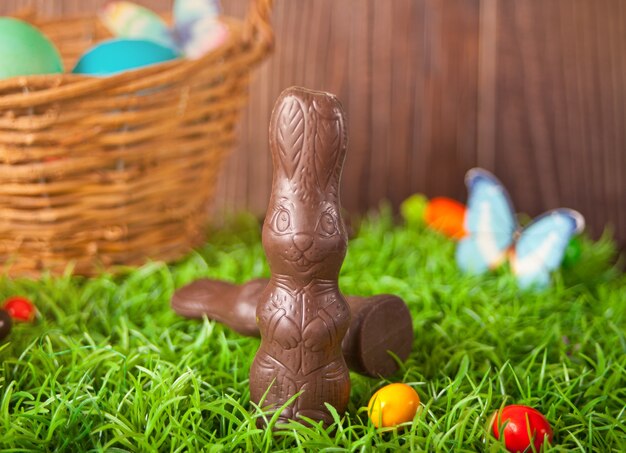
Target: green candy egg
x,y
413,209
24,50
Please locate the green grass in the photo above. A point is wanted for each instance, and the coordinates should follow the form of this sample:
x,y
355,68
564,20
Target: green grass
x,y
107,366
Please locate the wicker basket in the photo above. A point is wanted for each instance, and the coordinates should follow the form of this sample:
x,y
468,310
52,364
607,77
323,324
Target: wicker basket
x,y
97,173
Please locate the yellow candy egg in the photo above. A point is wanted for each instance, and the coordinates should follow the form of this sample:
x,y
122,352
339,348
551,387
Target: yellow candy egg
x,y
392,405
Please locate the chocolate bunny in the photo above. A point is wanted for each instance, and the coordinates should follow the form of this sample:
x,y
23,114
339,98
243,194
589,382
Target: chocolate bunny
x,y
302,316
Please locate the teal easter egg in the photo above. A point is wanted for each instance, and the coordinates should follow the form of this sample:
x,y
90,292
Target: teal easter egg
x,y
119,55
24,50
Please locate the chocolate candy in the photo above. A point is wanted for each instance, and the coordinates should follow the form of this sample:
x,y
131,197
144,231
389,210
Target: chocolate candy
x,y
379,325
300,314
232,305
521,426
20,308
5,324
392,405
447,216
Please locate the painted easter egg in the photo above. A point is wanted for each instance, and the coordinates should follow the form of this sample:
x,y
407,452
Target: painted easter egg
x,y
5,324
129,20
521,425
24,50
186,11
447,216
197,26
118,55
20,308
392,405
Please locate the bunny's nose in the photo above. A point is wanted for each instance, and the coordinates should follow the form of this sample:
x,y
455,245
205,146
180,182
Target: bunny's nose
x,y
303,241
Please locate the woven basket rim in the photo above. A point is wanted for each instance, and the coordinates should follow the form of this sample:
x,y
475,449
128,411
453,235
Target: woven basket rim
x,y
254,32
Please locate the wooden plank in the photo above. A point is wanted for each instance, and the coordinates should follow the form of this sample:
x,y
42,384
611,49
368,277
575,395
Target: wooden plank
x,y
237,162
419,121
450,98
358,105
560,108
487,64
72,7
382,43
403,84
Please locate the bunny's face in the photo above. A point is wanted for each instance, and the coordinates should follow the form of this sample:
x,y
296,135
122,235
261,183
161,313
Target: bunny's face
x,y
303,235
304,243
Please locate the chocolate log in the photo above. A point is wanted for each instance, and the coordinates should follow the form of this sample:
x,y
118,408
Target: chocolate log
x,y
380,326
232,305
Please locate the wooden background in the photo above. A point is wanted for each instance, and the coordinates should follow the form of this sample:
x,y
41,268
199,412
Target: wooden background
x,y
533,90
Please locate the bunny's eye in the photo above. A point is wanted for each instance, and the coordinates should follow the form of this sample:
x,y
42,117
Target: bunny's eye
x,y
282,221
327,225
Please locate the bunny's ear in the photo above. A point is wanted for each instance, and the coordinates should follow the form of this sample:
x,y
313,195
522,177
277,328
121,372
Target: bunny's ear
x,y
329,141
308,139
287,133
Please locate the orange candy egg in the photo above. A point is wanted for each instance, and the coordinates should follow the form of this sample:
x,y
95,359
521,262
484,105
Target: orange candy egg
x,y
446,215
392,405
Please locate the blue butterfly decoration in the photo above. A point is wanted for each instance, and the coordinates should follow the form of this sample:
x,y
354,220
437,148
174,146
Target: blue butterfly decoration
x,y
494,235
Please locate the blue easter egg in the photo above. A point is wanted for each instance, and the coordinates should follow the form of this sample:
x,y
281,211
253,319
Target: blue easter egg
x,y
119,55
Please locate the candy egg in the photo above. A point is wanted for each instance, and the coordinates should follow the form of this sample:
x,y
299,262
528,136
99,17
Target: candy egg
x,y
5,324
129,20
24,50
393,404
446,215
413,209
118,55
203,36
198,29
20,308
520,421
186,11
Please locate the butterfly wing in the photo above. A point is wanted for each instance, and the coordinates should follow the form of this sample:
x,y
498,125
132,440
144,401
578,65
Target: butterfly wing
x,y
541,246
198,29
129,20
489,222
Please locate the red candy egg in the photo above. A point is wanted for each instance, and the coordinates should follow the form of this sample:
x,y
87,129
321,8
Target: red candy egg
x,y
446,215
522,425
20,308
